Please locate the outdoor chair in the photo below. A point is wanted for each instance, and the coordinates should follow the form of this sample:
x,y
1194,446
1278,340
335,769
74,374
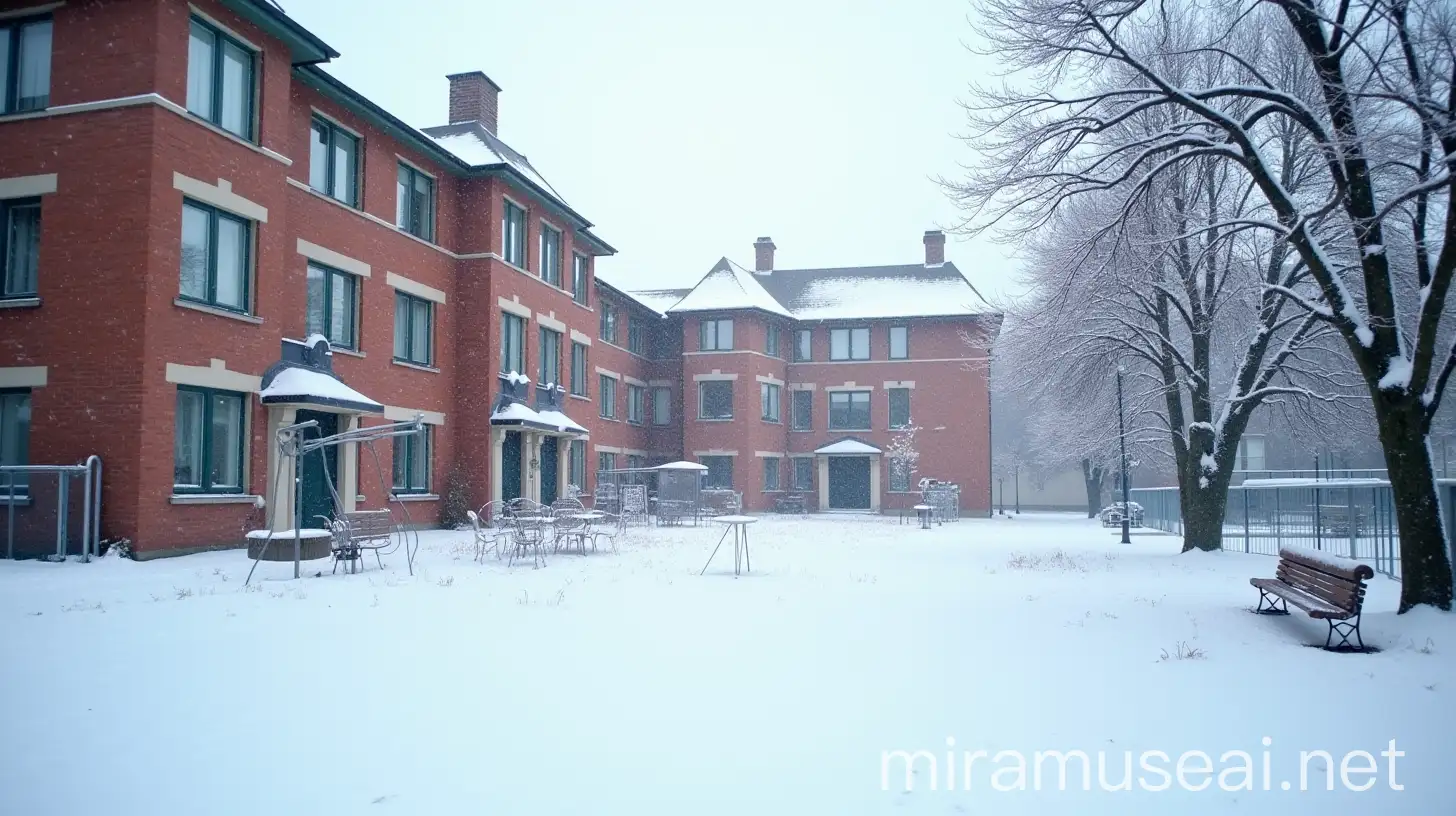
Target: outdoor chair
x,y
634,504
487,538
565,528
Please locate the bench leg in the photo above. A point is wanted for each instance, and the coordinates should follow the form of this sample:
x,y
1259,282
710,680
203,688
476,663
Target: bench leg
x,y
1271,604
1344,629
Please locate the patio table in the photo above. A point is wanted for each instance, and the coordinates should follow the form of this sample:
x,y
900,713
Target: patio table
x,y
587,517
738,526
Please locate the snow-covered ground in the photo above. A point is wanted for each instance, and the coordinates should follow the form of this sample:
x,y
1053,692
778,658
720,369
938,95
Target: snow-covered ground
x,y
627,683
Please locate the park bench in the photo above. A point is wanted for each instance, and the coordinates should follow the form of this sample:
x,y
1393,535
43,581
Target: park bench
x,y
359,531
1326,586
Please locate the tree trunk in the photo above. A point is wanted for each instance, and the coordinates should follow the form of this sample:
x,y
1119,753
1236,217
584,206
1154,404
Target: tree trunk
x,y
1203,515
1092,478
1425,566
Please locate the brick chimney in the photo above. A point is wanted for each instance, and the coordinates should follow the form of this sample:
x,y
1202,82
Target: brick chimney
x,y
934,247
474,98
763,250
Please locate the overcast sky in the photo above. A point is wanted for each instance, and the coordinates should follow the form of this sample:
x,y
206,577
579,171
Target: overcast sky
x,y
685,129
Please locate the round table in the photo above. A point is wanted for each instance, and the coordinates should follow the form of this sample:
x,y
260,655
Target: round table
x,y
738,526
586,517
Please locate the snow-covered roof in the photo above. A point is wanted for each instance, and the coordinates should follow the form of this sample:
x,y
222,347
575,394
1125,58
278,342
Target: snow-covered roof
x,y
560,420
478,147
728,286
296,384
680,465
910,290
515,412
848,445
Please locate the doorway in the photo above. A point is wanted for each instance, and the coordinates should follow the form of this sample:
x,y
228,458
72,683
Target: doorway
x,y
317,500
849,483
511,466
550,469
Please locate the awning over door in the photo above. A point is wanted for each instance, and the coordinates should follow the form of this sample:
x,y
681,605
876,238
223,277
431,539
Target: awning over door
x,y
848,446
304,375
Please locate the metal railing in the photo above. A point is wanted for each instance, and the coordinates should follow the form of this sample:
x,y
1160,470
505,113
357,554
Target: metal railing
x,y
34,508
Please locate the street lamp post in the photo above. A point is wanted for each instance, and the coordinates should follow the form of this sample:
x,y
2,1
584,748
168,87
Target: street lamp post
x,y
1122,440
1018,488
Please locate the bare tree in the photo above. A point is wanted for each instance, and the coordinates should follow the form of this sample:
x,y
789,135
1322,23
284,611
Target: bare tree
x,y
1374,135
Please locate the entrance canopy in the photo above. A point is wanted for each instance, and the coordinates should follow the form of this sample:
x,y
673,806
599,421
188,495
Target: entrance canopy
x,y
304,375
681,466
848,446
511,410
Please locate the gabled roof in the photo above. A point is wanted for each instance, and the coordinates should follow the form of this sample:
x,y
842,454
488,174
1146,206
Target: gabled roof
x,y
728,286
656,300
471,143
848,446
908,290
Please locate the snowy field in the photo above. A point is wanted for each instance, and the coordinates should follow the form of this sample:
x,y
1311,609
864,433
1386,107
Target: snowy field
x,y
626,683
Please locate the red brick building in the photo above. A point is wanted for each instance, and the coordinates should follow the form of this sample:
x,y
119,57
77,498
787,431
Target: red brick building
x,y
186,196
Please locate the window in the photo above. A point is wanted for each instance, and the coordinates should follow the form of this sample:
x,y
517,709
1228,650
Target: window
x,y
771,473
803,345
636,404
661,406
715,399
1251,454
720,471
412,329
333,162
551,255
849,344
333,305
215,252
576,464
769,398
608,397
803,473
772,343
715,335
513,344
578,370
579,278
900,472
802,410
634,462
20,247
550,369
607,322
220,80
412,462
899,342
513,234
606,461
15,436
849,410
636,336
414,203
209,453
25,65
899,407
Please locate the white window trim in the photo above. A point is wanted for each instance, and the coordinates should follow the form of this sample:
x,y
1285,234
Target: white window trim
x,y
27,186
715,452
24,377
396,414
899,384
803,386
581,338
606,373
337,260
770,454
415,288
220,195
550,322
715,376
769,380
849,386
214,375
635,381
514,306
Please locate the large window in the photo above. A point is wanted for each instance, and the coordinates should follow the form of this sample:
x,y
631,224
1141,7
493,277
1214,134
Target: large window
x,y
661,406
606,461
770,400
513,234
636,336
414,203
802,410
412,462
513,344
899,407
899,342
333,161
720,471
550,369
579,288
220,84
25,65
715,335
803,345
715,399
849,344
216,247
849,410
576,464
607,322
803,473
551,255
1251,454
636,404
578,370
771,473
209,442
15,436
771,343
20,247
333,305
413,318
608,397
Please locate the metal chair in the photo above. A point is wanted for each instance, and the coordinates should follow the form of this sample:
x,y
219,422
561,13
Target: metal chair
x,y
566,527
488,536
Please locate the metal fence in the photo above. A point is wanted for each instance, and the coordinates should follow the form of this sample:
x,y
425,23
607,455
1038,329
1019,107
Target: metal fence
x,y
1354,518
51,510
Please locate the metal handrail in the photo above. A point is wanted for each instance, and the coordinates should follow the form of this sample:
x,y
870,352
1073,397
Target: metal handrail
x,y
90,470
